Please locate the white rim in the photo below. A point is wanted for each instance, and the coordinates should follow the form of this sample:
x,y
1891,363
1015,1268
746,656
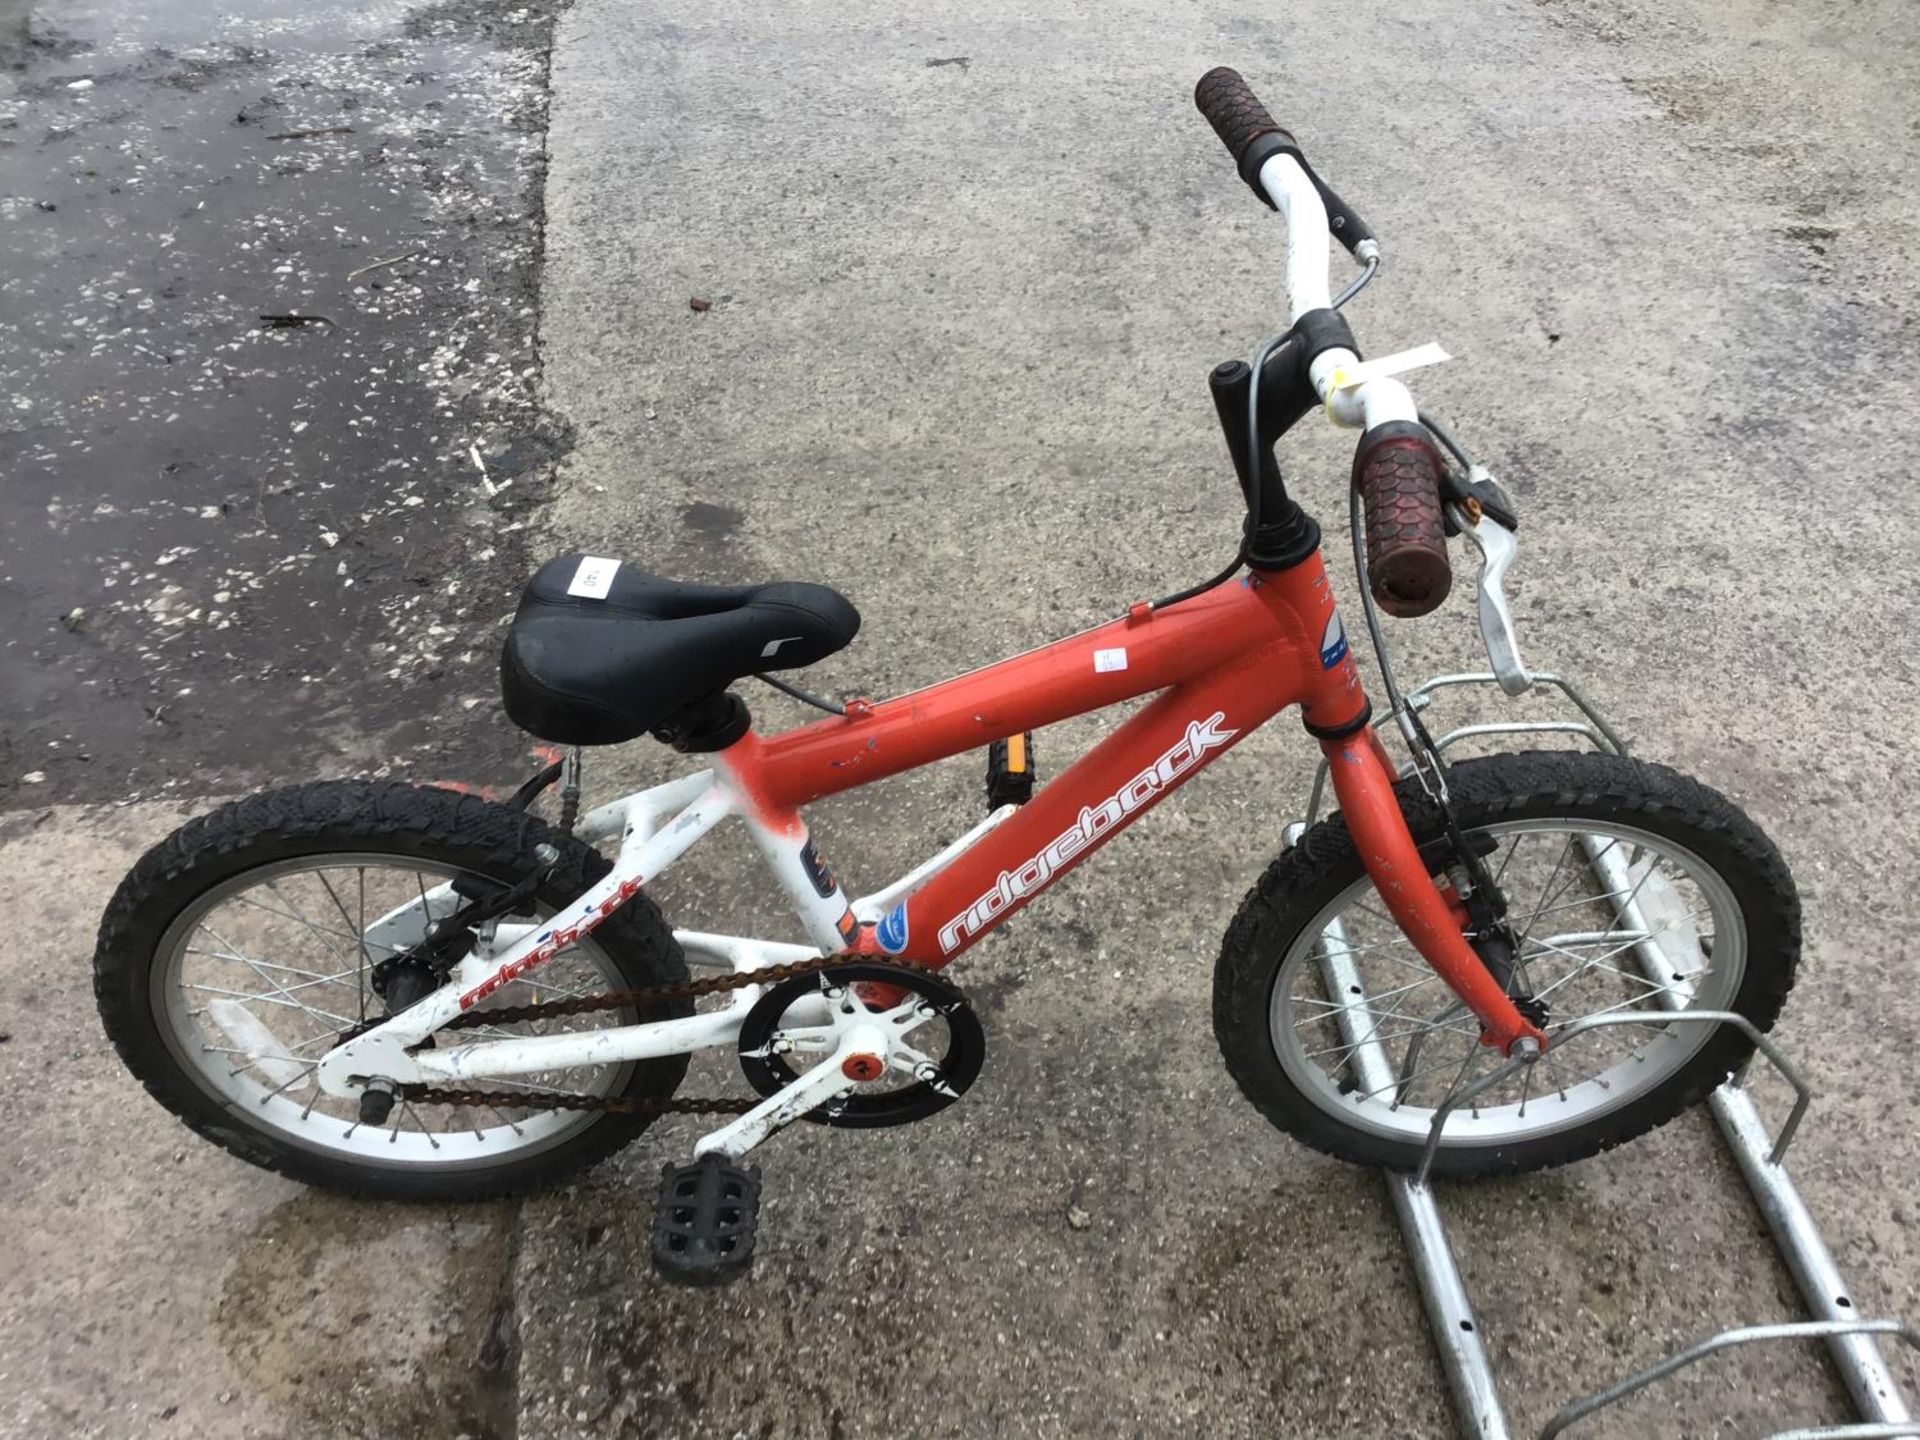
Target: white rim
x,y
1579,955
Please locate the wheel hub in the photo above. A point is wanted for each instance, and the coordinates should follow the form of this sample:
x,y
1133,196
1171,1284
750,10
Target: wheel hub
x,y
404,983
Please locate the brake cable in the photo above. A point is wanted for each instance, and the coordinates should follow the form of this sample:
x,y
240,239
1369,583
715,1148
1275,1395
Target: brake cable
x,y
1363,279
797,693
1265,353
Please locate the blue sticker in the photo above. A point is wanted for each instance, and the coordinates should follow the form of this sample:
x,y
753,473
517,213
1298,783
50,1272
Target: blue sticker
x,y
892,931
1333,642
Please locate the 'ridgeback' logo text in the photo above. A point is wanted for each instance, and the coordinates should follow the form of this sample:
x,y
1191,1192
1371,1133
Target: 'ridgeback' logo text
x,y
1185,754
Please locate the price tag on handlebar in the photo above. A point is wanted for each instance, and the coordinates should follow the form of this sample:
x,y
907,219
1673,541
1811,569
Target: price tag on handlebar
x,y
1348,376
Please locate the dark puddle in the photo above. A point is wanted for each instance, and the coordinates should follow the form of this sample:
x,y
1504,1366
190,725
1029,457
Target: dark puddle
x,y
239,550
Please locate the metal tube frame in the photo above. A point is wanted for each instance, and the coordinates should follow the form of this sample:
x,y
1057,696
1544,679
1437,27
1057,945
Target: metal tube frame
x,y
1571,1414
1450,1318
1775,1152
1456,1333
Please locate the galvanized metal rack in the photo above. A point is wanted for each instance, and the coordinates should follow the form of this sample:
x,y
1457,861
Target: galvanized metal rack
x,y
1851,1340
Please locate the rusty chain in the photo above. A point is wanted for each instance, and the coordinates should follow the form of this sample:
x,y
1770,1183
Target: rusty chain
x,y
420,1094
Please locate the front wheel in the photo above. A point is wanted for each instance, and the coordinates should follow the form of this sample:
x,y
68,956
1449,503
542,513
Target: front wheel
x,y
1630,887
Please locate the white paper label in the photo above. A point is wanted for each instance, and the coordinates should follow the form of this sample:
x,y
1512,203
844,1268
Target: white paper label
x,y
1105,660
1348,376
594,578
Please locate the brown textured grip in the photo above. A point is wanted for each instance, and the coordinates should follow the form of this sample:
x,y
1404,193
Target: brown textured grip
x,y
1399,479
1237,117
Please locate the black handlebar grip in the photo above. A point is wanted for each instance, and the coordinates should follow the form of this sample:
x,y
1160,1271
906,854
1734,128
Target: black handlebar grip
x,y
1252,138
1398,474
1236,114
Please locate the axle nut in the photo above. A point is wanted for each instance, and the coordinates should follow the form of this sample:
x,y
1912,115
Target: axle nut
x,y
376,1104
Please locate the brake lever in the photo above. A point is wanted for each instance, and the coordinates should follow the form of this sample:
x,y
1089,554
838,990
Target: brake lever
x,y
1478,487
1497,549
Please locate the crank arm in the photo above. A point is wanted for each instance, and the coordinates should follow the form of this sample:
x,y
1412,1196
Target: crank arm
x,y
824,1083
1497,550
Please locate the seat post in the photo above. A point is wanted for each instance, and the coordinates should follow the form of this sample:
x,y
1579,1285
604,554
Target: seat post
x,y
710,723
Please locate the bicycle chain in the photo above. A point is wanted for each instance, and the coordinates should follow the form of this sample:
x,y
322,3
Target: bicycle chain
x,y
416,1093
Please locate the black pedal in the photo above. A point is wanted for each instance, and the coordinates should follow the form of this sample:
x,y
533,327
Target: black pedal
x,y
704,1223
1010,771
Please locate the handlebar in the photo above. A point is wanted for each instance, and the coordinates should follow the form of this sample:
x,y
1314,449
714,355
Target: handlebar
x,y
1396,468
1253,138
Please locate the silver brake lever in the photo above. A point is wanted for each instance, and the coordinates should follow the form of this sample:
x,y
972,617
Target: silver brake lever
x,y
1497,548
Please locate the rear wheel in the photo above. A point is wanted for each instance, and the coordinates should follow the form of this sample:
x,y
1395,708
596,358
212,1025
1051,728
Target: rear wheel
x,y
1631,888
240,949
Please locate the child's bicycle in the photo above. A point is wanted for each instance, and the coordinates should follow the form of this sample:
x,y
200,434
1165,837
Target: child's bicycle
x,y
407,992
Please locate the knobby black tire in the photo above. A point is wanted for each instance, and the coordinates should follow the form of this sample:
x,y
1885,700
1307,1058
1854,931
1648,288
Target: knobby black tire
x,y
408,822
1538,785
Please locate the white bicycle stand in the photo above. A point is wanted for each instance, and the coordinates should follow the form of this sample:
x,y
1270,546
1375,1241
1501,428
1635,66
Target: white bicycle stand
x,y
1851,1340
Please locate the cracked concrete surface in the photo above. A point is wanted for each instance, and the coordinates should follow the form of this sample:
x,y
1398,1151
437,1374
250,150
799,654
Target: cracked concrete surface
x,y
967,268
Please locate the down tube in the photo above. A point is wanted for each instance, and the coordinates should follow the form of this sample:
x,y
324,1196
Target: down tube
x,y
1153,754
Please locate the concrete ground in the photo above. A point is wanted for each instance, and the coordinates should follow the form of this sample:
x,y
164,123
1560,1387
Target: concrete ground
x,y
968,267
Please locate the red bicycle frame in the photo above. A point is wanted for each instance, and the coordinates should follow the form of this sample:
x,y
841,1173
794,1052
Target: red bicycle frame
x,y
1225,662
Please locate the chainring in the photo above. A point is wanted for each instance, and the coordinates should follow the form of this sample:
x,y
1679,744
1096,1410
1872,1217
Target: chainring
x,y
957,1069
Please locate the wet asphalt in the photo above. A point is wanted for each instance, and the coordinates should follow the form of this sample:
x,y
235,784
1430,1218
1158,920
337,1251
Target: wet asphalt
x,y
269,436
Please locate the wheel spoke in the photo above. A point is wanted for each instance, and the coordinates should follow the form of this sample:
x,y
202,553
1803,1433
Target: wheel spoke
x,y
1399,1082
1582,963
359,926
340,1022
1424,1028
407,1106
360,975
1547,891
1501,873
1613,1009
326,936
1371,1036
275,910
1334,1008
289,1082
257,966
312,975
1365,909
